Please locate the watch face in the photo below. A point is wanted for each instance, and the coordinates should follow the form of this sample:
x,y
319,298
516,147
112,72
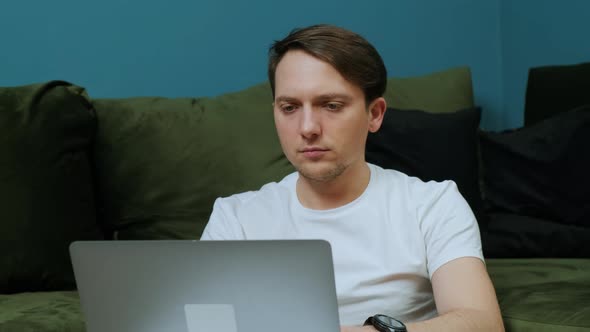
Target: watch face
x,y
388,321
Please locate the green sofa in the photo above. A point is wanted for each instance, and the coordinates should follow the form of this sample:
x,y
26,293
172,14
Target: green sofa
x,y
78,168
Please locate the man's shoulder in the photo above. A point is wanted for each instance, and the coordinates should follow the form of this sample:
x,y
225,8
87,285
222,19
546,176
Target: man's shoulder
x,y
412,193
252,214
394,179
267,194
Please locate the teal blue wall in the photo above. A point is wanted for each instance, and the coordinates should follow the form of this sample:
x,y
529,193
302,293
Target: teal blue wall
x,y
538,33
122,48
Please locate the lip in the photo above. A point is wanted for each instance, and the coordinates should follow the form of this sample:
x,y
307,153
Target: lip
x,y
314,152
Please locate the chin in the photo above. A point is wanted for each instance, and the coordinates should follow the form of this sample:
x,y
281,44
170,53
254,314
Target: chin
x,y
321,173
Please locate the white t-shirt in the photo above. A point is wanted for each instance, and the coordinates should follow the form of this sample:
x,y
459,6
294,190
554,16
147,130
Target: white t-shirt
x,y
386,244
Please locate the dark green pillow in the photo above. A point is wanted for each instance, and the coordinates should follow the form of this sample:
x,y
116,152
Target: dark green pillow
x,y
162,162
46,189
441,92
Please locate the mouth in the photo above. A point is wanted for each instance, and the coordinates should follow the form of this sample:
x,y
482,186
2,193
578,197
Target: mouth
x,y
314,152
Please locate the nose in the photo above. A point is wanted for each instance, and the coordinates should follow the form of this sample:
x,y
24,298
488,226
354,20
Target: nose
x,y
310,123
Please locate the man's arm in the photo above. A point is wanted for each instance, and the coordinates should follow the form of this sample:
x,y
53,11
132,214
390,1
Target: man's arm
x,y
465,300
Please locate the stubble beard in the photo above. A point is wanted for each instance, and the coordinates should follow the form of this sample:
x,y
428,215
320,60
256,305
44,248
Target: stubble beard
x,y
324,175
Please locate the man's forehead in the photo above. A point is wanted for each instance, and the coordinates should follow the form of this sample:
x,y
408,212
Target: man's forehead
x,y
296,59
300,75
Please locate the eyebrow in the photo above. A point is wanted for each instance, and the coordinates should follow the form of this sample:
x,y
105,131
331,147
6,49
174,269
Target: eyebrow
x,y
324,97
285,99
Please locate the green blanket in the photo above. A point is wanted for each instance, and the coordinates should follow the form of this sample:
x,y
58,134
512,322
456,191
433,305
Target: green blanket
x,y
41,312
543,294
537,295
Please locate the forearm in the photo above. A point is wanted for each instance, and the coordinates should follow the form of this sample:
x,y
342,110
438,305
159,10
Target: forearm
x,y
460,320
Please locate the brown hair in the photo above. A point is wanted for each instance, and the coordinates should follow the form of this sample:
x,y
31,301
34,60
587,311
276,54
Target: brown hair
x,y
349,53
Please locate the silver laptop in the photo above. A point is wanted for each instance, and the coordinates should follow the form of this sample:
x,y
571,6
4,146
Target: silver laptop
x,y
206,286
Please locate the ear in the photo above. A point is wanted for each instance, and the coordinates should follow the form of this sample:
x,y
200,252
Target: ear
x,y
376,112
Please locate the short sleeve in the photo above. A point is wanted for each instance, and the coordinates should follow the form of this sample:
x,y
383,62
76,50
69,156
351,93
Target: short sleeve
x,y
223,223
448,225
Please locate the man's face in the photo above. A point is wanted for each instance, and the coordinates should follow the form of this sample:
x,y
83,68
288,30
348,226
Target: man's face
x,y
321,118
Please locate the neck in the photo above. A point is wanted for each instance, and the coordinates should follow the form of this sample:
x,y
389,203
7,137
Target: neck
x,y
324,195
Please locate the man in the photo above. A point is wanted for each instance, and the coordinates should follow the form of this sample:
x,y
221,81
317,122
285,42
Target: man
x,y
404,248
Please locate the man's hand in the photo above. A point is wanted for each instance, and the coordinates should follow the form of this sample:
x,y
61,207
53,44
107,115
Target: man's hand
x,y
368,328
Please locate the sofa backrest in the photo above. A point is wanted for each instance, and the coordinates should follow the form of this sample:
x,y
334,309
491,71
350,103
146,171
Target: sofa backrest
x,y
141,168
160,163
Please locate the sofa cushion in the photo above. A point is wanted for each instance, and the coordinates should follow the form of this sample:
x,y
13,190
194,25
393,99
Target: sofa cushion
x,y
162,162
41,311
542,170
46,184
510,235
431,146
548,295
440,92
555,89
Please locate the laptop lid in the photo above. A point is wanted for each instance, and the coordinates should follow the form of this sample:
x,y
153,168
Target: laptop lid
x,y
222,286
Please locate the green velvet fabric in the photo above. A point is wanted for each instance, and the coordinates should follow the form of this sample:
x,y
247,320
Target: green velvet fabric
x,y
441,92
46,184
41,312
543,295
546,295
161,162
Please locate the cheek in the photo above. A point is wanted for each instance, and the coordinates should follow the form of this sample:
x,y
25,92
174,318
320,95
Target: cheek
x,y
284,132
282,128
354,128
353,136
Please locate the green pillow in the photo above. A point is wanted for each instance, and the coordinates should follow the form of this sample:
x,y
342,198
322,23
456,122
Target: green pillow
x,y
441,92
162,162
46,184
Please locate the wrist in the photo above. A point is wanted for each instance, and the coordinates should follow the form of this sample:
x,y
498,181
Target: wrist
x,y
384,323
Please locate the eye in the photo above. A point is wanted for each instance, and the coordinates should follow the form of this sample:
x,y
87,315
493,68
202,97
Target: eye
x,y
332,106
287,108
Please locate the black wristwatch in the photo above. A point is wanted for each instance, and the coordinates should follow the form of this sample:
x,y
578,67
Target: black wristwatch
x,y
385,323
